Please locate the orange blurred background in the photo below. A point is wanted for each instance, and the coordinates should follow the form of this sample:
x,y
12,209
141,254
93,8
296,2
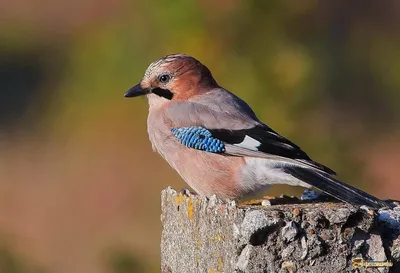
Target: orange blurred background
x,y
79,183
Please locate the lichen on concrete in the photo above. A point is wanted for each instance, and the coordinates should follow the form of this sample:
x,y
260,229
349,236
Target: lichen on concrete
x,y
211,235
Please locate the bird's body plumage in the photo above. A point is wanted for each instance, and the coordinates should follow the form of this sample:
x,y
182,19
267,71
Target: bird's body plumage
x,y
190,112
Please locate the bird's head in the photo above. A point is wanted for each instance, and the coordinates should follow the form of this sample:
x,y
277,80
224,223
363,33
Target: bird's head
x,y
174,77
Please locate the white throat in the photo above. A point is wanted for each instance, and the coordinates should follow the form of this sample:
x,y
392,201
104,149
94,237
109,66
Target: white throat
x,y
156,101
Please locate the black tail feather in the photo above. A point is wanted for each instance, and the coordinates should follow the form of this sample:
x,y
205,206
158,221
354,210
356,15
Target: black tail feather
x,y
336,188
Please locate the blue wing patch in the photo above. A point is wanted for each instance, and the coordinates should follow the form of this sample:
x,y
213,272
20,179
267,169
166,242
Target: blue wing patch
x,y
198,138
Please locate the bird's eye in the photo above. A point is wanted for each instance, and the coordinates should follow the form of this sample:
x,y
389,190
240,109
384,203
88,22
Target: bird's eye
x,y
164,78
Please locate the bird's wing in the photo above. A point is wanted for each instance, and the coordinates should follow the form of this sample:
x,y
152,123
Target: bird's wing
x,y
230,120
262,141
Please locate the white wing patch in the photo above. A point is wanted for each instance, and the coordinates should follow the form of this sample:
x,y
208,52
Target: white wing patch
x,y
249,143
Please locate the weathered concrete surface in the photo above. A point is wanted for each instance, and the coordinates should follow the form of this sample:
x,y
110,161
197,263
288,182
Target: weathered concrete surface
x,y
209,236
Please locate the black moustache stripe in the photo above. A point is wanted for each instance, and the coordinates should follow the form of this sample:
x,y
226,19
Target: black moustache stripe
x,y
165,93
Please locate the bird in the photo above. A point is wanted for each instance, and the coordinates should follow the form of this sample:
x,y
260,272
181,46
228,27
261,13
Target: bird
x,y
217,144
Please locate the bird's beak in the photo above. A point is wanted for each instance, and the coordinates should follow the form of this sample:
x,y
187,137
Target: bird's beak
x,y
137,91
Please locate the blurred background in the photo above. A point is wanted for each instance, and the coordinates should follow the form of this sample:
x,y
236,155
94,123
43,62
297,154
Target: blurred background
x,y
79,183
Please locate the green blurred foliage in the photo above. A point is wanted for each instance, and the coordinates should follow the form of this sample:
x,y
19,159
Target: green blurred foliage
x,y
75,157
122,261
10,262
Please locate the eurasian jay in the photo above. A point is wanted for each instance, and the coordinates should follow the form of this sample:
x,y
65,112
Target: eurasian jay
x,y
216,143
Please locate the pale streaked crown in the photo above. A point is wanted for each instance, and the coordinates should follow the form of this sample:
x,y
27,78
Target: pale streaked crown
x,y
157,66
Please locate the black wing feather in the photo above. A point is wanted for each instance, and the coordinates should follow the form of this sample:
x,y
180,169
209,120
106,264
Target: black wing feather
x,y
270,142
336,188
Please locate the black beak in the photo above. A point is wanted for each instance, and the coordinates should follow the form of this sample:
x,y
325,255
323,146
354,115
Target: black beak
x,y
136,91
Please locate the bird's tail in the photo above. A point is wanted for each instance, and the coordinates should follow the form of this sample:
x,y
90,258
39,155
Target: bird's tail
x,y
336,188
